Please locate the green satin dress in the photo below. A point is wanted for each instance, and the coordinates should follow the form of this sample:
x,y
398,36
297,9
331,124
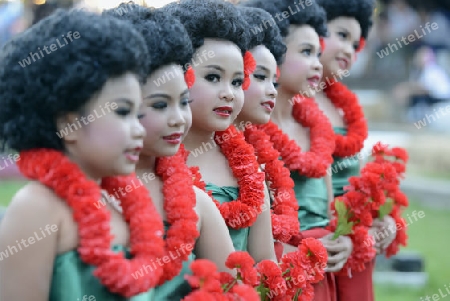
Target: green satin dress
x,y
312,198
177,288
343,168
227,194
72,279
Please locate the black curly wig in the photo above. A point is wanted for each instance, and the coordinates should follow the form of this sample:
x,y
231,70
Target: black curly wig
x,y
264,31
167,40
215,19
36,90
361,10
289,12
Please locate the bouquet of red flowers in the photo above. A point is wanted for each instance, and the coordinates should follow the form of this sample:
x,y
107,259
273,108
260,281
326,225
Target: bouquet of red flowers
x,y
291,279
396,200
373,194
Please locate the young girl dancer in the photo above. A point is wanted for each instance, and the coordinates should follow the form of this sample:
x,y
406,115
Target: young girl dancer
x,y
348,23
220,36
73,114
259,102
190,217
301,133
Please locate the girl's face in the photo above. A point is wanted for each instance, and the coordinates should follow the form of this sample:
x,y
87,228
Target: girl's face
x,y
301,71
167,113
217,95
340,46
261,95
106,139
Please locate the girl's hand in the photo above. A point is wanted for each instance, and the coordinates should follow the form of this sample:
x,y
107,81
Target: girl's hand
x,y
384,232
339,251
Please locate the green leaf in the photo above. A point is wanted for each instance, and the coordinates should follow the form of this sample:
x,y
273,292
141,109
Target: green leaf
x,y
386,208
340,208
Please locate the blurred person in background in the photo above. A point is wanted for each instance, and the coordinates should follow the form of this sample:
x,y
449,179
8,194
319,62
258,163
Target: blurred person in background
x,y
429,84
11,19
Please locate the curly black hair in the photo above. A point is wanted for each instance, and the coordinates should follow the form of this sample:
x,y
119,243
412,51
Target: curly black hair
x,y
361,10
37,88
215,19
264,31
288,12
167,40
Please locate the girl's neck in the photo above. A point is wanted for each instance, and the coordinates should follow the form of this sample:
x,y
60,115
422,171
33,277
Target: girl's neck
x,y
283,107
146,164
196,138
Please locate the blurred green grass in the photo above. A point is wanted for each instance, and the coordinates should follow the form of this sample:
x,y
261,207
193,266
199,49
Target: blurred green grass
x,y
427,236
8,189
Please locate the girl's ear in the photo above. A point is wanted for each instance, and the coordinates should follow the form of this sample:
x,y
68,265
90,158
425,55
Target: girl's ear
x,y
68,126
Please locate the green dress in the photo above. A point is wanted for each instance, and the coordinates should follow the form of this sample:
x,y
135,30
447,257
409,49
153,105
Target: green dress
x,y
227,194
72,279
312,198
343,168
177,288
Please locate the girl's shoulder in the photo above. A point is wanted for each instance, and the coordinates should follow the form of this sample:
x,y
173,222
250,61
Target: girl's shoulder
x,y
36,201
32,208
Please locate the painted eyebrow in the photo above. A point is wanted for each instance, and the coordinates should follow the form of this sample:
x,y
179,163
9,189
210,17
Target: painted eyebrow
x,y
125,100
166,96
345,30
218,68
263,68
308,44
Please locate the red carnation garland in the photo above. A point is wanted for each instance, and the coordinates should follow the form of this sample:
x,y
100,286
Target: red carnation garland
x,y
179,206
357,132
249,68
244,211
285,222
315,162
54,170
292,279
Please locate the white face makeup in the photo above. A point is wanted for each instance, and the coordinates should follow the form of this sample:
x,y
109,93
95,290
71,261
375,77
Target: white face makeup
x,y
217,95
301,71
167,113
260,98
340,46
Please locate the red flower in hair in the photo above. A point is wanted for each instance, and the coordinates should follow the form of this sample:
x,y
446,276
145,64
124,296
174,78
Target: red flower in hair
x,y
189,77
362,44
249,67
322,44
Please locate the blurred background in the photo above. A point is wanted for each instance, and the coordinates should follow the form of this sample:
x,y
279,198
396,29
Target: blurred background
x,y
402,79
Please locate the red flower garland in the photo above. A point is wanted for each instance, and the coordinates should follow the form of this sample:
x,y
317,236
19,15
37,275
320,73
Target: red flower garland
x,y
54,170
315,162
189,77
357,131
285,222
249,68
243,212
179,205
